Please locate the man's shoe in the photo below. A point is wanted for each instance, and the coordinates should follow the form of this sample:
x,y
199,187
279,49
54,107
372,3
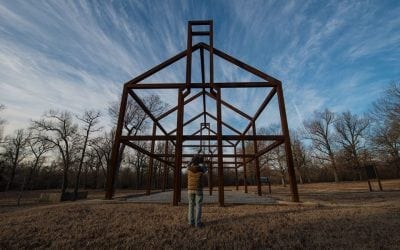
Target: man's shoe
x,y
191,225
200,225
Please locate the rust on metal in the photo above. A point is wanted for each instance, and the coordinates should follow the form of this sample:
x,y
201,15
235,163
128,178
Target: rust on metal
x,y
216,146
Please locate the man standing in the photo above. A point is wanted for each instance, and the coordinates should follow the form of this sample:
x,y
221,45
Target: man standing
x,y
196,170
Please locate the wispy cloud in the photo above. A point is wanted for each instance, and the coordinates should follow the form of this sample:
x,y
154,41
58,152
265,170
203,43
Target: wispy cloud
x,y
77,54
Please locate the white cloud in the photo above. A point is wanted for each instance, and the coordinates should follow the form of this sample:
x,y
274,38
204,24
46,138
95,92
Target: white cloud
x,y
75,55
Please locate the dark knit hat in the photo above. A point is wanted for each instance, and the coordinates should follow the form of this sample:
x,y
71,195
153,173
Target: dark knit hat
x,y
197,159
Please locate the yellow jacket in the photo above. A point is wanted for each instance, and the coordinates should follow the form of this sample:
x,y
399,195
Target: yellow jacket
x,y
195,174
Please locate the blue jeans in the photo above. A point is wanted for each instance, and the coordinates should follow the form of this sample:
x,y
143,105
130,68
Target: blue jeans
x,y
195,199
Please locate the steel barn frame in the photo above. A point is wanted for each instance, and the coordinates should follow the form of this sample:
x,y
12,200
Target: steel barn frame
x,y
176,137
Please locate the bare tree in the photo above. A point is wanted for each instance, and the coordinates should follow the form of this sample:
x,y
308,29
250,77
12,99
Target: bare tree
x,y
276,158
2,122
299,155
139,161
136,119
386,141
38,147
102,145
15,152
351,130
158,166
387,107
90,119
60,130
99,162
265,159
277,162
90,166
323,138
385,134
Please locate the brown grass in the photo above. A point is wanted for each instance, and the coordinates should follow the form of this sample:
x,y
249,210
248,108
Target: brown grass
x,y
364,223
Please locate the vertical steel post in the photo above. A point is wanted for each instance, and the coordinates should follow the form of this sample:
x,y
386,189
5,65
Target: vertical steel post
x,y
288,149
220,151
236,171
203,80
165,167
212,55
180,183
269,186
178,149
257,161
111,171
244,167
151,163
189,58
377,177
369,185
210,177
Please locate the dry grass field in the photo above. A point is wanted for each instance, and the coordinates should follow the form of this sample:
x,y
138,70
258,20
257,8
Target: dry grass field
x,y
332,216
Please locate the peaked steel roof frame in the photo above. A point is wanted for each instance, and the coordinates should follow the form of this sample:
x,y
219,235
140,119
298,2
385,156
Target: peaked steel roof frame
x,y
176,136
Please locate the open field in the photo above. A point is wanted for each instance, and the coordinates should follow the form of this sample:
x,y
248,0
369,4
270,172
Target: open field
x,y
331,216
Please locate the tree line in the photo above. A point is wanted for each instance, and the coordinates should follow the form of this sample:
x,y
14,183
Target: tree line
x,y
72,151
336,146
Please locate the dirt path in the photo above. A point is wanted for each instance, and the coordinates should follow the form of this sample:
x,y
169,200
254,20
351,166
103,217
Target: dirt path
x,y
231,197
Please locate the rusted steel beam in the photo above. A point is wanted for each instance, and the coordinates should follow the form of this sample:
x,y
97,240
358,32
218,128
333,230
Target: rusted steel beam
x,y
197,131
189,59
186,123
227,164
165,114
165,178
146,110
207,137
111,171
226,85
288,149
203,80
211,50
144,151
210,177
230,142
266,150
244,167
212,131
236,170
220,151
233,108
267,100
198,85
258,181
200,22
157,86
206,155
159,67
204,137
378,178
151,162
240,64
178,149
200,33
225,124
198,145
269,148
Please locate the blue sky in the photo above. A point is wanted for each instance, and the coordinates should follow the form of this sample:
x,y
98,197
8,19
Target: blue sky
x,y
77,54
